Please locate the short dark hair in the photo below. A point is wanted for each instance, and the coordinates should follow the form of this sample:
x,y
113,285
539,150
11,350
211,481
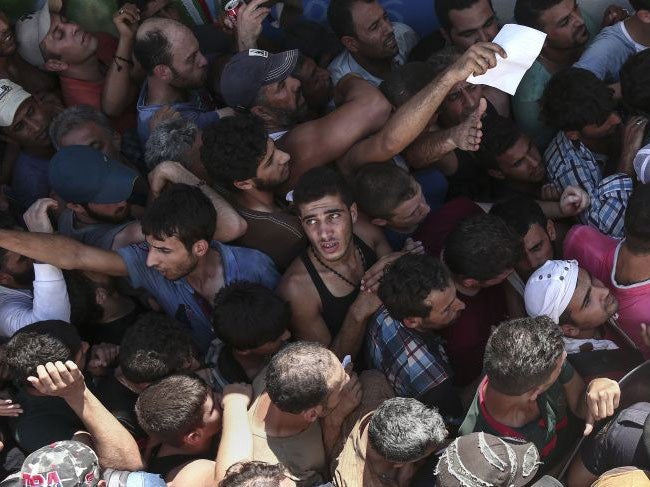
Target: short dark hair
x,y
403,82
380,188
172,407
637,220
500,134
233,148
635,82
520,213
521,354
528,12
445,57
402,429
407,283
640,5
296,378
339,16
481,247
248,315
84,310
39,343
443,7
254,474
575,98
151,49
182,211
319,182
154,347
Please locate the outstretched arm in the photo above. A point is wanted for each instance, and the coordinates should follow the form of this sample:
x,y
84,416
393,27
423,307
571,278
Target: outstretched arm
x,y
63,252
412,118
114,445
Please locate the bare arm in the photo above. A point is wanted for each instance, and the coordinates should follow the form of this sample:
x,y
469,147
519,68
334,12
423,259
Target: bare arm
x,y
63,252
114,445
236,443
119,90
593,402
230,225
312,144
412,118
350,338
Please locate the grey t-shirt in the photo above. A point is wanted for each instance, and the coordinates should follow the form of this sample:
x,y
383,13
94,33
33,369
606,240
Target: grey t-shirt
x,y
99,235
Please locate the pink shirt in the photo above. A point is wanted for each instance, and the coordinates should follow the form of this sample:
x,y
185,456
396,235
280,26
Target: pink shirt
x,y
598,253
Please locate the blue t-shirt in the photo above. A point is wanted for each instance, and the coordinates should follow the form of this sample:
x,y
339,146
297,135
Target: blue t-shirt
x,y
199,109
180,301
30,180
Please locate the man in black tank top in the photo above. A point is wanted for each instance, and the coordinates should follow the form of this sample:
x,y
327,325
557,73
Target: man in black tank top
x,y
329,287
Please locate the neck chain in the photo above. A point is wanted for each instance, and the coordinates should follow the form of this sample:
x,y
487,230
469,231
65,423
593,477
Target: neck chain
x,y
336,273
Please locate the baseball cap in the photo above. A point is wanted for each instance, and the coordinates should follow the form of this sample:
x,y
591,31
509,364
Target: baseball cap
x,y
81,174
480,459
550,289
120,478
64,463
249,70
11,97
31,29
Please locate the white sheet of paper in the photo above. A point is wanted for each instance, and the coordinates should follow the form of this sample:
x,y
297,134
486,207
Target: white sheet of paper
x,y
523,45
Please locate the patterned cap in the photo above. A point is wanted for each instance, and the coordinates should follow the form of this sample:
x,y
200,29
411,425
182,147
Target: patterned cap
x,y
483,460
61,464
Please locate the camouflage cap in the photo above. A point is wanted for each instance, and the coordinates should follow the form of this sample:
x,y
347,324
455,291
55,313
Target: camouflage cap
x,y
61,464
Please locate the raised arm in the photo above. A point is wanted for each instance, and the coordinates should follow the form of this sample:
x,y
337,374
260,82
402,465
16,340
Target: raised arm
x,y
63,252
412,118
114,445
230,225
363,111
119,90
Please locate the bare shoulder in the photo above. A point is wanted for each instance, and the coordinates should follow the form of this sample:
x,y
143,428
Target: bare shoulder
x,y
199,473
294,279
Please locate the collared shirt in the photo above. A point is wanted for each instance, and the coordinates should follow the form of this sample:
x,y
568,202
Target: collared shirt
x,y
344,63
179,300
570,163
412,362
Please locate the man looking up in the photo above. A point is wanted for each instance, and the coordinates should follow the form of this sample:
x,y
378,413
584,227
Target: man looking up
x,y
419,299
529,387
176,71
24,121
262,83
567,32
466,22
239,155
179,264
621,265
373,44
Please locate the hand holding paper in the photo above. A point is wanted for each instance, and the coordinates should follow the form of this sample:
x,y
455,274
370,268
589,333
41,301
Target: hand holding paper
x,y
523,45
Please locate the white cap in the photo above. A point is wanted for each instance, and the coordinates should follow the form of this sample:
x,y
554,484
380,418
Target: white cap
x,y
31,29
550,289
11,97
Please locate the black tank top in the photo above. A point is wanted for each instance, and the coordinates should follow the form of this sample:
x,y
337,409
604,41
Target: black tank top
x,y
335,308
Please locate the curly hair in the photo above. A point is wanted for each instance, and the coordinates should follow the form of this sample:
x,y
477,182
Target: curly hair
x,y
635,82
233,148
319,182
481,247
575,98
407,283
521,354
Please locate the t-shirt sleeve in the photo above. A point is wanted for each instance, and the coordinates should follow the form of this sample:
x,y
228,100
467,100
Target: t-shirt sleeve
x,y
135,258
589,247
606,54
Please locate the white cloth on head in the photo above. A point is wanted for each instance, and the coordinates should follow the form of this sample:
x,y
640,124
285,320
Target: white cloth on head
x,y
550,289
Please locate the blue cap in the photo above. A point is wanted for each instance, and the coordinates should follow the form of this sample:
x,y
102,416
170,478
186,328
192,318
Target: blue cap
x,y
81,174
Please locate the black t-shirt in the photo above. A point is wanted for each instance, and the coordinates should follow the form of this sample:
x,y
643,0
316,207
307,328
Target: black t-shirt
x,y
44,420
111,332
120,401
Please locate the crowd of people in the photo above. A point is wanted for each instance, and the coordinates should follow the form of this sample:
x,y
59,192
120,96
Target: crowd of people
x,y
268,252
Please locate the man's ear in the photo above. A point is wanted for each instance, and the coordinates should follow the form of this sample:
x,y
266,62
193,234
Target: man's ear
x,y
163,72
260,112
55,65
101,295
569,331
496,174
76,207
193,437
412,322
312,414
201,247
350,43
643,15
550,230
445,35
6,279
354,212
470,283
380,222
245,185
572,134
